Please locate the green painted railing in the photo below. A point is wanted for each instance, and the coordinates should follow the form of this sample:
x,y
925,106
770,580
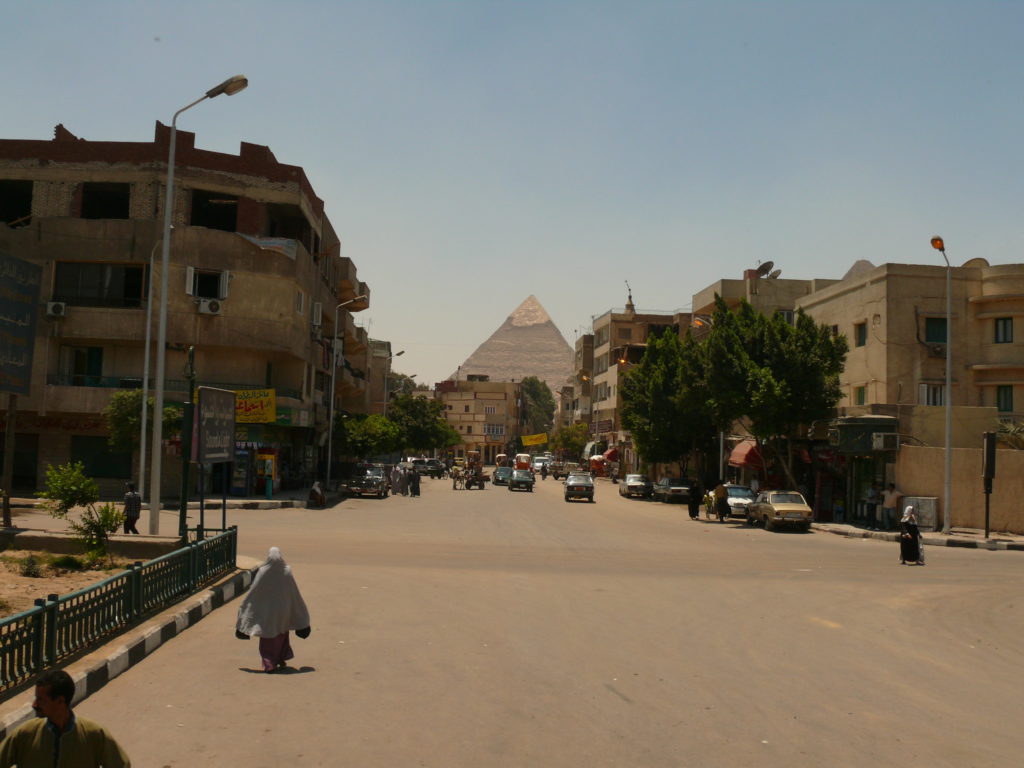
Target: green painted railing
x,y
61,626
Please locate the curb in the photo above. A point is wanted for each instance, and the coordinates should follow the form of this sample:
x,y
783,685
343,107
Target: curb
x,y
932,541
124,651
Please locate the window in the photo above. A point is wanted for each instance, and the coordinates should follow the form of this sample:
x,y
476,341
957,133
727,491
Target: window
x,y
786,314
15,202
206,283
300,304
1004,398
935,330
465,409
860,334
214,210
84,284
490,410
859,395
81,366
105,200
1004,330
99,458
835,330
931,394
625,334
494,430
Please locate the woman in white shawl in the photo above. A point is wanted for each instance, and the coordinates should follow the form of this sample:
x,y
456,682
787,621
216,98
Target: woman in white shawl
x,y
271,608
910,539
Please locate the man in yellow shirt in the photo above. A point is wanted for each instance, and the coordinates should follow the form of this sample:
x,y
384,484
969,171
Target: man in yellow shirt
x,y
58,738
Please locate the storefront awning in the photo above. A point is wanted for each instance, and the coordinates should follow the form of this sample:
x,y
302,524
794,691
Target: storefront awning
x,y
746,454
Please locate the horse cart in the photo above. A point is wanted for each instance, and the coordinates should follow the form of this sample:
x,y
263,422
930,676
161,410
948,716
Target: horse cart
x,y
471,475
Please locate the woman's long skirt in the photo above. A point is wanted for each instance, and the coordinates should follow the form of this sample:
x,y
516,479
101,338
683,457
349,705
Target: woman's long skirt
x,y
275,651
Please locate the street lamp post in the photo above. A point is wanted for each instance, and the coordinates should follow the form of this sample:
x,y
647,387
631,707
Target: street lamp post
x,y
230,86
334,370
947,514
387,375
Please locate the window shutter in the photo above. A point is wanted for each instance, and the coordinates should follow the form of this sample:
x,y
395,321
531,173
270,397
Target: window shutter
x,y
225,279
190,280
317,314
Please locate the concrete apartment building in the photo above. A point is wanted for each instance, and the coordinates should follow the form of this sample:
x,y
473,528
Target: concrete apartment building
x,y
582,379
486,414
619,339
255,275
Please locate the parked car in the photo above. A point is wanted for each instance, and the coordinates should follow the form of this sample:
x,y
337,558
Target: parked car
x,y
501,475
521,479
776,508
434,468
563,469
372,482
579,486
636,485
420,465
740,496
671,489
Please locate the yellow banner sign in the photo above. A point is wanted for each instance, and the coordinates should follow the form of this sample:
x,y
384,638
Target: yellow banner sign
x,y
255,406
535,439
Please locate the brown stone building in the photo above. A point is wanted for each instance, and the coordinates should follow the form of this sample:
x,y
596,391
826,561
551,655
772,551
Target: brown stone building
x,y
256,274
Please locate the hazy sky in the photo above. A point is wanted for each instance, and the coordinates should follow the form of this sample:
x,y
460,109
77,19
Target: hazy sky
x,y
473,153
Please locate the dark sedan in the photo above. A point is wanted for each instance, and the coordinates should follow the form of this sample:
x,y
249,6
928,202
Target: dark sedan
x,y
672,489
521,479
501,475
579,486
636,485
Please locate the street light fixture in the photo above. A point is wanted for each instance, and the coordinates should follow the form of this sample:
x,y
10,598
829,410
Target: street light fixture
x,y
940,246
230,86
334,370
387,375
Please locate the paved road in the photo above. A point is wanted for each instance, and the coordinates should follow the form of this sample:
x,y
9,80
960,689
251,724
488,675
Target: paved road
x,y
488,628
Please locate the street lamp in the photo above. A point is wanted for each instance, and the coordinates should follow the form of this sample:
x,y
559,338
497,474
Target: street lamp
x,y
230,86
940,246
387,375
334,371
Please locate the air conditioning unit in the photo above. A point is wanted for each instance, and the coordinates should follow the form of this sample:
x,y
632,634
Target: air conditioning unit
x,y
56,309
209,306
885,441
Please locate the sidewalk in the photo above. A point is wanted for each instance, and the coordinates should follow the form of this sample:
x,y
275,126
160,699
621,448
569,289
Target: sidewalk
x,y
970,538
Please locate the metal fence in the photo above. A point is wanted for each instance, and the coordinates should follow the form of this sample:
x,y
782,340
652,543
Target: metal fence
x,y
61,626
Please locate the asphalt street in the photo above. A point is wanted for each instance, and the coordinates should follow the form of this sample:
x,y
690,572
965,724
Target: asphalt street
x,y
489,628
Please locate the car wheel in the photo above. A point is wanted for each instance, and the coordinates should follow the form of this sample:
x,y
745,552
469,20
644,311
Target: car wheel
x,y
769,525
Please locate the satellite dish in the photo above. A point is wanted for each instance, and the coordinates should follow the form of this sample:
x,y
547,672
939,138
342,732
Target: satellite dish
x,y
775,273
765,268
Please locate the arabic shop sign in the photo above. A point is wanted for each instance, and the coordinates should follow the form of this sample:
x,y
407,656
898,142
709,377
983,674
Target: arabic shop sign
x,y
255,406
19,299
216,425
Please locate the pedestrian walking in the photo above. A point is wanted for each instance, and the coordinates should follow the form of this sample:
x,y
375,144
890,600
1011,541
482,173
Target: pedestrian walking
x,y
871,504
132,509
58,736
911,550
696,497
272,607
890,501
414,483
396,479
721,494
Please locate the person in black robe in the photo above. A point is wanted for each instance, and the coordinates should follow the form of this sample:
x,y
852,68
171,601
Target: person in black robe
x,y
910,539
414,482
696,497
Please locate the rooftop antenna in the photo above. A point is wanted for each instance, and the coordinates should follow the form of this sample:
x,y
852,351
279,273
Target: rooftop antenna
x,y
629,298
774,274
764,269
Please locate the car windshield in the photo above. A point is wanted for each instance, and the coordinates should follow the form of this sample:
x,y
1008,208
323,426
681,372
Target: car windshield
x,y
740,492
787,498
374,472
637,479
522,474
582,479
503,471
674,481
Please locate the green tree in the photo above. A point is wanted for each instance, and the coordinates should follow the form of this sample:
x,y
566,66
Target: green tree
x,y
362,436
68,488
124,419
421,422
653,406
570,441
538,405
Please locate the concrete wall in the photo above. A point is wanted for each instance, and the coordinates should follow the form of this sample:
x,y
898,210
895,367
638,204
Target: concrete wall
x,y
920,472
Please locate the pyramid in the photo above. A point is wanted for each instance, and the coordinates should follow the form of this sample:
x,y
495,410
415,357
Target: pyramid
x,y
526,344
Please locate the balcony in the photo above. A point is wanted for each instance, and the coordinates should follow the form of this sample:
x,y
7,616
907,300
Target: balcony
x,y
170,385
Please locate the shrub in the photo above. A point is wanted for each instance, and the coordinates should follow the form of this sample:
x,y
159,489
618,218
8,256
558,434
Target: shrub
x,y
67,563
30,567
67,487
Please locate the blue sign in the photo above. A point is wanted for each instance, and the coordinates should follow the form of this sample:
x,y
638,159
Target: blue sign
x,y
19,305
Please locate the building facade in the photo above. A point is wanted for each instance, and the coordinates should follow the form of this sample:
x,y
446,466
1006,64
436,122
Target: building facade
x,y
486,414
256,277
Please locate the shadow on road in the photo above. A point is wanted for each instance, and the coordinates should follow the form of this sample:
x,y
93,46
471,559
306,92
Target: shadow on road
x,y
279,671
